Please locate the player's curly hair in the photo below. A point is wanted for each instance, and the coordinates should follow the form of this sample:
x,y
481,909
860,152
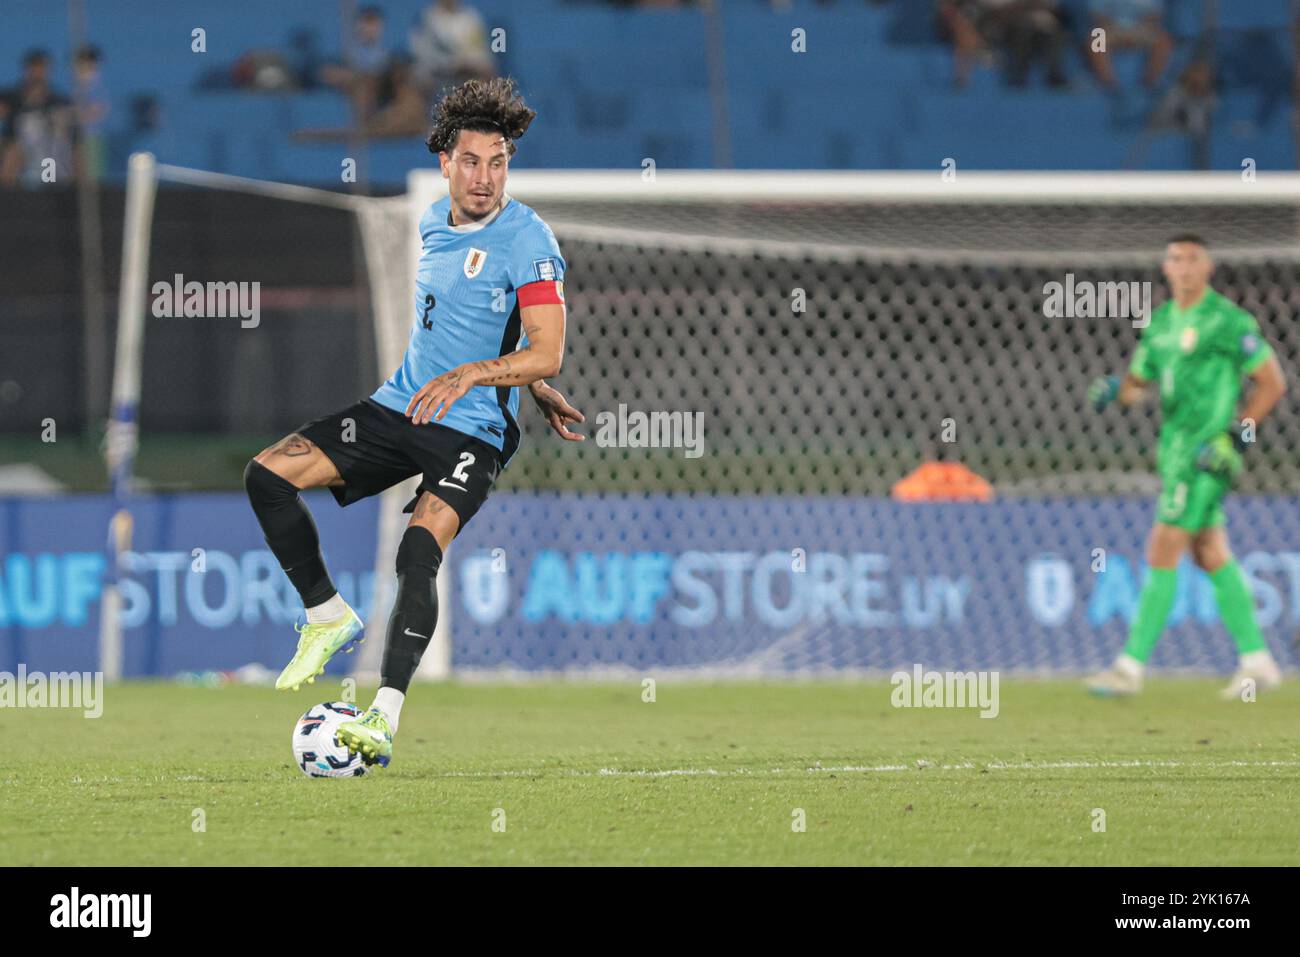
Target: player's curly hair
x,y
483,106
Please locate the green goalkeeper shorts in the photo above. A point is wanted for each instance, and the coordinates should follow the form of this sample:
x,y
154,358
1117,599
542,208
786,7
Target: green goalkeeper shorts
x,y
1190,498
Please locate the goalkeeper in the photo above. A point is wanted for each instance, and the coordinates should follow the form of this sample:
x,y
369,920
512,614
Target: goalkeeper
x,y
1198,347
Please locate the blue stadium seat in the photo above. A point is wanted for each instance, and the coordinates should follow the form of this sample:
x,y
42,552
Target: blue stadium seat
x,y
1235,137
1183,18
1254,15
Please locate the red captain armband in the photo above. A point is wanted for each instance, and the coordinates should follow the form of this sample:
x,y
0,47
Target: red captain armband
x,y
548,293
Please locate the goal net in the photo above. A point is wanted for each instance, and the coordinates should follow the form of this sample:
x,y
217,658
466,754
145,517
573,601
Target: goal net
x,y
834,334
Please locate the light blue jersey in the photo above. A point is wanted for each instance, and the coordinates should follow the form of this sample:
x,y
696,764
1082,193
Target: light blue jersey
x,y
467,309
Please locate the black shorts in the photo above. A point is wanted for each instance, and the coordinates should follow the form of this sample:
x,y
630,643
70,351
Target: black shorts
x,y
375,448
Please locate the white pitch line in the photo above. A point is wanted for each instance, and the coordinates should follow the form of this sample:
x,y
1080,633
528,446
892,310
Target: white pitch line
x,y
868,769
967,766
1067,765
672,772
493,774
920,766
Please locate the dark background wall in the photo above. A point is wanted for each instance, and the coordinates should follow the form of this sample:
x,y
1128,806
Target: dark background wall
x,y
314,343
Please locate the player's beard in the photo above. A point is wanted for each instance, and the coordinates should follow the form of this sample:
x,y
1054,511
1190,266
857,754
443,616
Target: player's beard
x,y
471,212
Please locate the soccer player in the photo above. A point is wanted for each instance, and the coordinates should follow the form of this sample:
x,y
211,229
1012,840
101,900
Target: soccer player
x,y
489,316
1198,346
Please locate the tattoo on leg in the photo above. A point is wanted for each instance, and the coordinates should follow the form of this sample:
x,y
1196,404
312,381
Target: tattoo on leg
x,y
293,445
427,505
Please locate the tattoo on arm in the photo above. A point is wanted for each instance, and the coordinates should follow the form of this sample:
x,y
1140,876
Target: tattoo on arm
x,y
494,370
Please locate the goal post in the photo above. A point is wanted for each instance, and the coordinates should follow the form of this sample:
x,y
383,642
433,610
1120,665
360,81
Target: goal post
x,y
122,438
391,253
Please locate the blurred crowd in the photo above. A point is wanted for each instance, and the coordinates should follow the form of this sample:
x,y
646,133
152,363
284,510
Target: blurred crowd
x,y
390,85
390,74
46,135
48,131
391,90
1018,33
1015,36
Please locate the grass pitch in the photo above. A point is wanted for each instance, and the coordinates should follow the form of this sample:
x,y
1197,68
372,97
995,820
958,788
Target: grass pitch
x,y
707,774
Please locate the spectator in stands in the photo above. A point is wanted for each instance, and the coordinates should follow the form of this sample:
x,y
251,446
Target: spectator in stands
x,y
405,110
958,21
40,127
1130,25
369,55
1188,107
92,106
449,45
1025,31
365,62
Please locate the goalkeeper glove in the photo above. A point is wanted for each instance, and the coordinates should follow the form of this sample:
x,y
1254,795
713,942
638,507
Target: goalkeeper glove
x,y
1237,431
1221,456
1103,391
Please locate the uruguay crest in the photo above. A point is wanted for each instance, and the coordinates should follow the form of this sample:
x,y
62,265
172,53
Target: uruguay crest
x,y
474,261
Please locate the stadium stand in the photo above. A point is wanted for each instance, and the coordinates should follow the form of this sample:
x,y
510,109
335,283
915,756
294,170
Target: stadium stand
x,y
874,89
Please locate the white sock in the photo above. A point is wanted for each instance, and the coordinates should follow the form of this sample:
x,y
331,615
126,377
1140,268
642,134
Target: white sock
x,y
389,701
328,610
1256,660
1129,665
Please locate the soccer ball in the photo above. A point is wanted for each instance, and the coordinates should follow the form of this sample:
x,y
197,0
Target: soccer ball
x,y
317,750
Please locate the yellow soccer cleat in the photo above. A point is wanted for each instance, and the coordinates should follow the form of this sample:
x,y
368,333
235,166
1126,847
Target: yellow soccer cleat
x,y
371,735
317,643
